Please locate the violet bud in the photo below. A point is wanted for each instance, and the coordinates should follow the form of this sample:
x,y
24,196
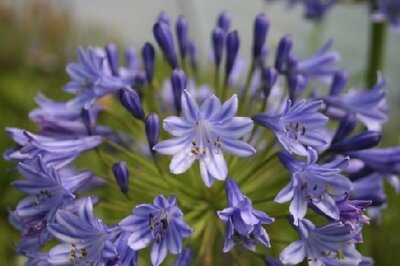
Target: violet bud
x,y
140,79
297,84
163,36
283,51
346,126
365,140
269,76
131,59
148,56
182,35
152,128
89,117
112,57
338,82
163,18
178,81
192,49
260,31
130,99
232,50
121,175
224,21
217,39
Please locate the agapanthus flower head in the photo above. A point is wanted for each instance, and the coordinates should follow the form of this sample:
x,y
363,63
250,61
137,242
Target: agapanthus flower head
x,y
331,244
299,125
160,224
202,133
83,236
314,184
243,224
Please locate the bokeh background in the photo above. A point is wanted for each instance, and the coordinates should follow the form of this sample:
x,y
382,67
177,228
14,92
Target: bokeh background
x,y
38,37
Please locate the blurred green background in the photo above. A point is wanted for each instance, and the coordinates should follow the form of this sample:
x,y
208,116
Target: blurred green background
x,y
38,37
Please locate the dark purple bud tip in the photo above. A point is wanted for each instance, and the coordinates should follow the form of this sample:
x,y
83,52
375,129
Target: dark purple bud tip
x,y
140,79
130,99
260,31
89,118
182,35
112,56
224,21
152,128
178,81
163,36
232,50
283,51
338,82
365,140
269,76
121,175
296,84
148,55
217,39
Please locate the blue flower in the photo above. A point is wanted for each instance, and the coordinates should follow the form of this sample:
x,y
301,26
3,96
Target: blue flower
x,y
329,245
202,134
160,223
389,10
312,183
352,211
84,238
297,126
368,106
126,255
242,223
385,161
314,9
48,191
91,78
57,152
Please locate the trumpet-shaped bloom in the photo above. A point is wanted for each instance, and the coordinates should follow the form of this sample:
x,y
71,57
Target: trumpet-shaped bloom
x,y
313,183
242,222
368,106
161,224
299,125
57,152
328,245
202,133
83,236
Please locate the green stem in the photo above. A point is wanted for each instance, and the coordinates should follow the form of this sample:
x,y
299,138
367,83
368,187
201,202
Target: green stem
x,y
377,40
245,96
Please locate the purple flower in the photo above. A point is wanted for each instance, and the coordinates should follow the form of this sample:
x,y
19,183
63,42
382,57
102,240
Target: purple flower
x,y
314,9
83,236
329,245
58,152
242,222
91,78
312,183
202,133
389,10
126,255
161,224
299,125
369,188
368,106
121,175
352,211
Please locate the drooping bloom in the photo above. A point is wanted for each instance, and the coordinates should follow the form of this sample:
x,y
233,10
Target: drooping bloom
x,y
242,222
202,133
368,106
83,236
331,244
91,78
299,125
314,9
389,10
160,224
55,151
315,184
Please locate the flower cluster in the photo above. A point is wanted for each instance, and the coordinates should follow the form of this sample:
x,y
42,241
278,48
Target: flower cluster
x,y
334,168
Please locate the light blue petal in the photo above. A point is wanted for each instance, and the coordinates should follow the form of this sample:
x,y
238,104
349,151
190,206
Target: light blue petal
x,y
237,148
158,252
294,253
